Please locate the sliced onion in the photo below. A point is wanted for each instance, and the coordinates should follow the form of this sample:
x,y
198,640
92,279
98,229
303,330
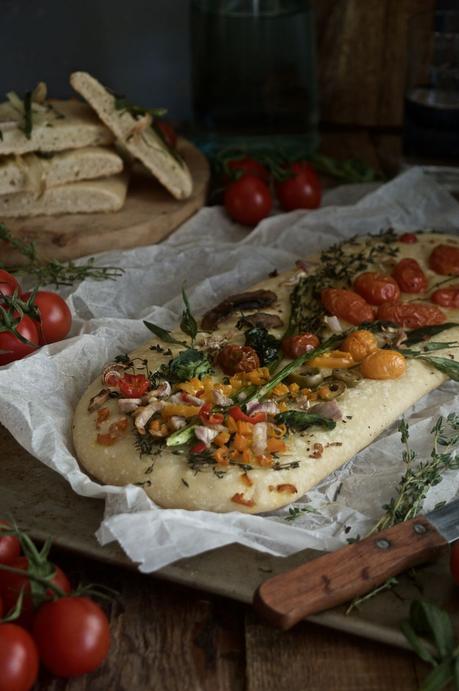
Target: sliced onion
x,y
177,422
334,324
269,407
143,414
221,399
162,391
328,409
205,434
128,405
260,438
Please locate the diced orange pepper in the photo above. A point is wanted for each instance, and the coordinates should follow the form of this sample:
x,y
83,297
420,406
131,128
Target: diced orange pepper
x,y
182,410
238,498
294,388
265,460
155,424
247,456
222,438
191,386
275,445
336,359
283,407
231,423
234,455
244,428
221,455
246,479
280,390
240,443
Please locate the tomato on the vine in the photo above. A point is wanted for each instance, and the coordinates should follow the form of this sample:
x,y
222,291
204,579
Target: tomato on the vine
x,y
18,659
300,191
133,385
238,167
72,635
8,284
236,358
55,316
11,347
248,200
11,585
10,547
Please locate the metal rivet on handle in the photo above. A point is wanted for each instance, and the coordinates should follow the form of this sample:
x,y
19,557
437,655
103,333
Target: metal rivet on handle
x,y
383,544
419,528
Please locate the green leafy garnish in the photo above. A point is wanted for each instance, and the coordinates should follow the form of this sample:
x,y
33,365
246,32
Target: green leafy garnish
x,y
425,332
299,420
444,364
161,333
188,323
188,364
264,343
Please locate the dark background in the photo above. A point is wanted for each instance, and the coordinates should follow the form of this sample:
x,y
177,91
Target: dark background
x,y
138,47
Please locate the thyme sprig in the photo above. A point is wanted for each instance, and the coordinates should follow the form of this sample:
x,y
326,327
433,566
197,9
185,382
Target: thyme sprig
x,y
53,272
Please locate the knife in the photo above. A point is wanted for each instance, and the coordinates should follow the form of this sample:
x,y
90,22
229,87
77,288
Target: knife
x,y
352,571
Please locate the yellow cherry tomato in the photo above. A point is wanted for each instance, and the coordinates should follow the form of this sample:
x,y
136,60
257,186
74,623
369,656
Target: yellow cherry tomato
x,y
360,344
383,364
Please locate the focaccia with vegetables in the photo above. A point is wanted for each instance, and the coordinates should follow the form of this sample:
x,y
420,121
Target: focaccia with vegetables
x,y
281,385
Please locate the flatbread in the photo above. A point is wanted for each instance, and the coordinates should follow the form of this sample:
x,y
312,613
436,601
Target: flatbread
x,y
145,145
367,410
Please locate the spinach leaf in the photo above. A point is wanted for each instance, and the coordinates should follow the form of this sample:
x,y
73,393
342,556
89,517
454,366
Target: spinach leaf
x,y
444,364
299,420
424,332
264,343
188,364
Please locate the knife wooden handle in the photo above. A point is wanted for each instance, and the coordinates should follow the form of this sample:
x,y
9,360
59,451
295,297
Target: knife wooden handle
x,y
349,572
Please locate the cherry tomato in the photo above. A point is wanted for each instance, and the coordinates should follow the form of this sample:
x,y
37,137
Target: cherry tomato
x,y
133,385
10,547
346,304
383,364
168,133
72,635
410,277
294,346
411,315
236,358
8,284
2,608
444,260
360,344
246,166
11,585
300,191
408,238
18,659
55,316
454,561
446,297
248,200
376,288
11,348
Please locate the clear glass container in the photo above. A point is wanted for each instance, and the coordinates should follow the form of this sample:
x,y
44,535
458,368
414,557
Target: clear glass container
x,y
254,75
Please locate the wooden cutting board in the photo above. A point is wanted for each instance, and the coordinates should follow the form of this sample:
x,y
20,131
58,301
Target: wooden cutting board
x,y
149,215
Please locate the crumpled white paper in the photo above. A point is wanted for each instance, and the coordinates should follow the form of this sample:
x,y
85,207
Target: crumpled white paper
x,y
215,258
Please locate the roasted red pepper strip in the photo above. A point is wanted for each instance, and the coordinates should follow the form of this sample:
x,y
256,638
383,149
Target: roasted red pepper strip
x,y
133,385
237,414
208,417
199,447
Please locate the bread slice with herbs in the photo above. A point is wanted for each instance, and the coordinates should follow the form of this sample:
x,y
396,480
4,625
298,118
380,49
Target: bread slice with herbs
x,y
50,125
134,128
84,197
36,172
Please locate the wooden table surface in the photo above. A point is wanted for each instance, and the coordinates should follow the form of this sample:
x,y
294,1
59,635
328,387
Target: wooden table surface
x,y
170,638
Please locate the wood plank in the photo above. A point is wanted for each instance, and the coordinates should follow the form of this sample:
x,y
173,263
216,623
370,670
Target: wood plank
x,y
149,215
318,660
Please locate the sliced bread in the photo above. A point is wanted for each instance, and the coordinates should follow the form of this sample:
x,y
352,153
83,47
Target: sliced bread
x,y
37,172
134,132
88,196
57,126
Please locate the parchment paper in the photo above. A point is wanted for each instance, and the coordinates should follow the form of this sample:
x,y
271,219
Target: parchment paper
x,y
216,257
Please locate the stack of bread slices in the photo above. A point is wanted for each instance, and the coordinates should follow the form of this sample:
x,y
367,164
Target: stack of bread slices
x,y
63,157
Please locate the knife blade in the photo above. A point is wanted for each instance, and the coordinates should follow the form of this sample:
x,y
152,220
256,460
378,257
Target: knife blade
x,y
353,571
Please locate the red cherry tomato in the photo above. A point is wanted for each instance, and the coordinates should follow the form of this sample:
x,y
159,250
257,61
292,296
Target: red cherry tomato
x,y
236,358
446,297
294,346
410,277
454,561
55,316
300,191
168,133
133,385
72,635
248,200
411,315
2,608
18,659
10,547
408,238
8,284
347,305
376,288
245,165
11,585
11,348
444,260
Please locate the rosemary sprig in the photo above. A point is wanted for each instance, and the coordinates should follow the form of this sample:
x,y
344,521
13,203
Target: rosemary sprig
x,y
53,272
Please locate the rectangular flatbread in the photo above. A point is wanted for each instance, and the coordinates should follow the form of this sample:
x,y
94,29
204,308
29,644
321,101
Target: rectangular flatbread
x,y
36,172
207,426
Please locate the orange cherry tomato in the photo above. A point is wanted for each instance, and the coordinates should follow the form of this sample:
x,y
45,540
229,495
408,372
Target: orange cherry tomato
x,y
346,304
294,346
446,297
444,260
411,315
383,364
360,344
236,358
410,277
377,288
